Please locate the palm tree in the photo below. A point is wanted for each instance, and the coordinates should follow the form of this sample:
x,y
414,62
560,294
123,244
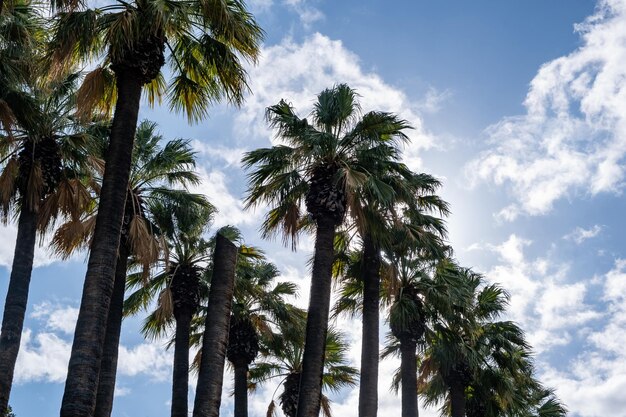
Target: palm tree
x,y
378,222
205,41
505,384
44,166
182,274
154,173
419,298
283,360
216,329
258,305
21,36
461,344
321,165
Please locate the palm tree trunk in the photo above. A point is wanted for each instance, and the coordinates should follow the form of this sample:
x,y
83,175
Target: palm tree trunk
x,y
79,398
241,391
368,387
317,321
180,379
457,398
408,375
215,339
15,304
108,369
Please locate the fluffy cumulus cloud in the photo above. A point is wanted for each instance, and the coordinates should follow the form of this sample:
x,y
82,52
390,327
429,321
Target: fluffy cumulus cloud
x,y
549,305
214,184
56,317
44,354
572,139
297,72
593,384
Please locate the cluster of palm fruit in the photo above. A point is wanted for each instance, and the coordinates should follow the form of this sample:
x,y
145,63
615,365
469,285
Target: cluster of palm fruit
x,y
325,198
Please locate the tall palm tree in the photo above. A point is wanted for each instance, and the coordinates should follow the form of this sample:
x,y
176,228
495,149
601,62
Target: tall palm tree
x,y
157,175
43,170
283,358
321,165
419,298
182,274
216,329
378,222
204,43
259,304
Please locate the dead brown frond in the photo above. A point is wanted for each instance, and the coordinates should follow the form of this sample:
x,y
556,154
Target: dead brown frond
x,y
69,237
97,92
165,308
271,410
325,403
291,224
144,245
35,187
47,212
7,181
7,118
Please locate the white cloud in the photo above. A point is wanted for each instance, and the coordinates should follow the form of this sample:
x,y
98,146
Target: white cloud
x,y
579,235
572,139
232,156
297,72
542,300
7,248
434,100
214,185
148,358
56,317
593,384
42,357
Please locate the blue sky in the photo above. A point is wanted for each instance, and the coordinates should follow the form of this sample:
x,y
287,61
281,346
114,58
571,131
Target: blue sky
x,y
520,108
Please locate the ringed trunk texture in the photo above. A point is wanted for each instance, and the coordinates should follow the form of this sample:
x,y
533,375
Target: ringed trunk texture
x,y
368,387
408,374
241,390
215,339
180,379
317,321
16,301
79,398
108,368
457,398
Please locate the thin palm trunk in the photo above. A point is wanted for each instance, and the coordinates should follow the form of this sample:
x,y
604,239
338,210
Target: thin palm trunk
x,y
241,391
79,398
457,398
317,321
215,339
408,375
108,369
368,388
16,301
180,379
